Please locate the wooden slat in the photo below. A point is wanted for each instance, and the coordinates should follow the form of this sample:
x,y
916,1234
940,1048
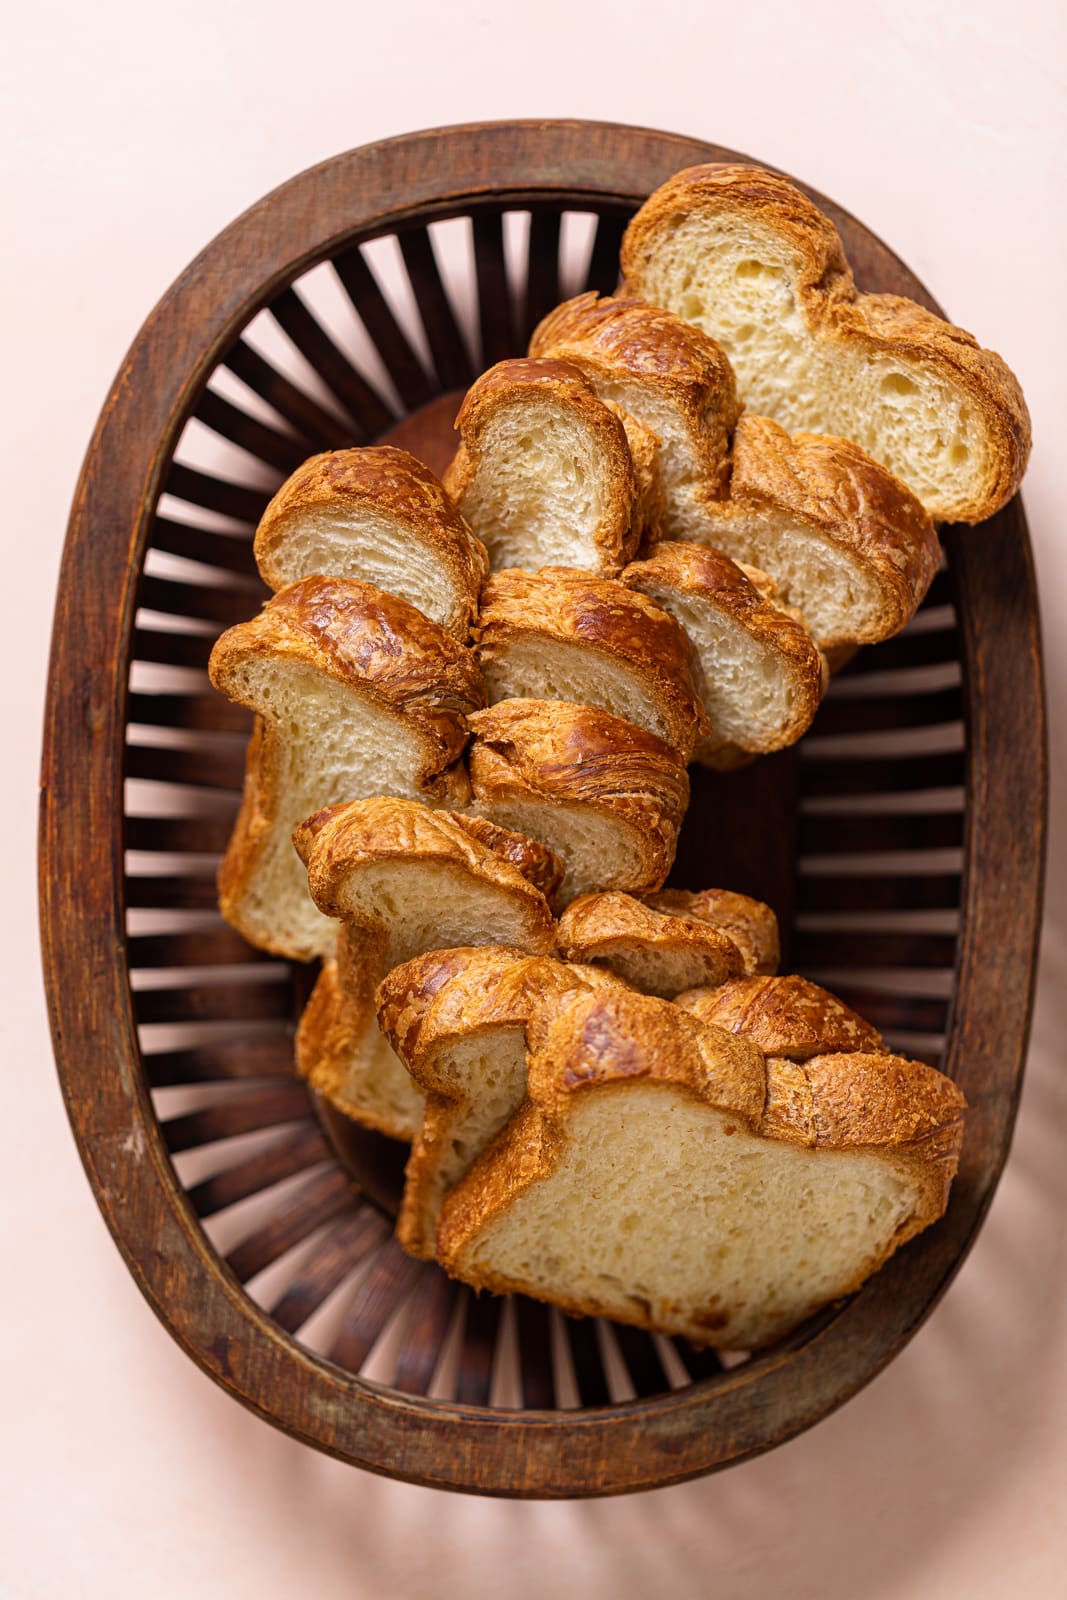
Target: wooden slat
x,y
699,1364
316,1202
880,774
199,947
846,714
321,430
391,342
229,552
389,1278
933,891
211,712
269,1001
907,1012
498,335
542,271
221,495
428,1320
603,273
171,649
165,891
450,358
475,1374
367,408
859,948
301,1146
248,1112
333,1258
906,651
278,450
198,601
178,835
270,1056
824,834
203,769
535,1355
588,1365
638,1351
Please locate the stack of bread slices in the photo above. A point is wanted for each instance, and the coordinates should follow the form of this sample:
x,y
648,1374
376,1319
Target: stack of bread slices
x,y
476,702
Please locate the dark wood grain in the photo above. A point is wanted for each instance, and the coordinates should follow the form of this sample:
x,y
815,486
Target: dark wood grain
x,y
535,1355
401,362
388,1280
404,185
363,403
318,1201
474,1375
429,1318
335,1256
247,1112
300,1147
278,450
495,309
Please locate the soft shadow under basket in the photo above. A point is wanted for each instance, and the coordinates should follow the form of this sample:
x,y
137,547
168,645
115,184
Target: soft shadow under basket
x,y
901,844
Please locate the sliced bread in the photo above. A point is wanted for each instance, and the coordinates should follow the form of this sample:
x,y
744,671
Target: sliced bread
x,y
749,259
356,693
654,951
380,515
786,1016
751,925
560,634
662,1173
605,795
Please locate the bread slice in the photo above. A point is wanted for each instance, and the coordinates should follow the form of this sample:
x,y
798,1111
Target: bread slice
x,y
654,951
560,634
605,795
762,675
404,880
749,259
751,925
457,1020
379,515
847,544
663,371
356,693
544,473
663,1174
786,1016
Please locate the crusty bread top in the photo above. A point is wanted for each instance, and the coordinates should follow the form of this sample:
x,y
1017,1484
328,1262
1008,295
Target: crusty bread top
x,y
450,994
603,617
565,753
746,199
528,386
645,945
336,843
785,1016
538,864
834,488
752,925
685,574
366,639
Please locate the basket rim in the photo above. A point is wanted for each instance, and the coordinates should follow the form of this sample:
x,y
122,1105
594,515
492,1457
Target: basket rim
x,y
627,1447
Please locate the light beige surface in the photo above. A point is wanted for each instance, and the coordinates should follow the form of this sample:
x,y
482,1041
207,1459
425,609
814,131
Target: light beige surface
x,y
129,142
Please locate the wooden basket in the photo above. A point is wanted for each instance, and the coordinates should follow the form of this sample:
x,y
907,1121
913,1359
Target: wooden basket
x,y
902,845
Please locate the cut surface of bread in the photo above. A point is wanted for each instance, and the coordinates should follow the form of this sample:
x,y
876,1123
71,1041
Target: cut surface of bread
x,y
847,544
751,924
654,951
356,693
667,374
560,634
786,1016
605,795
748,258
403,880
457,1020
761,674
659,1176
544,473
376,514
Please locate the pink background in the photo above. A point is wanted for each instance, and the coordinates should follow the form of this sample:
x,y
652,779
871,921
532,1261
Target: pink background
x,y
129,143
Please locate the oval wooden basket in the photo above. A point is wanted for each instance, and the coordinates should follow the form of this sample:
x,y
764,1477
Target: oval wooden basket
x,y
902,845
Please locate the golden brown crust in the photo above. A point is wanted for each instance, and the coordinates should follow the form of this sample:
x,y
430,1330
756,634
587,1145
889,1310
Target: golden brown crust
x,y
517,383
560,605
370,641
785,1016
644,447
558,754
752,925
376,481
538,864
700,575
623,340
837,313
614,930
